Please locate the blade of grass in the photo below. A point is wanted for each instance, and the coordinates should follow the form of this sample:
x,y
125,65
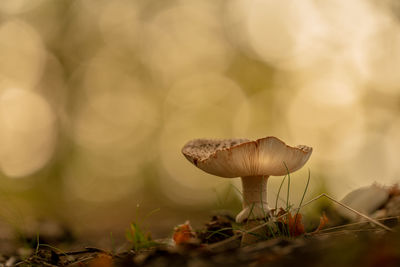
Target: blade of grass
x,y
250,213
305,191
271,230
280,233
227,193
37,243
151,213
302,198
219,231
287,200
279,191
237,189
288,187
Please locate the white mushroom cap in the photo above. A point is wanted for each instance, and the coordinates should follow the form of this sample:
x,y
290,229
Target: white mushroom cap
x,y
240,157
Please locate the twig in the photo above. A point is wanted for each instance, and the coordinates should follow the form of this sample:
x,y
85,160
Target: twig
x,y
86,250
354,224
348,231
48,264
351,209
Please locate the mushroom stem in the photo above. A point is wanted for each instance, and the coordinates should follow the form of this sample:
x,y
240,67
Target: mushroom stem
x,y
255,204
254,190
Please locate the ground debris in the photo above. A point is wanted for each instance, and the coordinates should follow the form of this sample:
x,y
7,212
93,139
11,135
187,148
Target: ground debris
x,y
184,234
364,247
288,243
218,229
346,249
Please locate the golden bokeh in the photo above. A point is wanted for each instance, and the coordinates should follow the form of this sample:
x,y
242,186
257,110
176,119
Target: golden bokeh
x,y
27,132
97,98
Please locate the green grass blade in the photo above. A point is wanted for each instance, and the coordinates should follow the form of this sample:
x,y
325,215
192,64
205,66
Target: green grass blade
x,y
305,191
302,198
288,187
279,191
250,213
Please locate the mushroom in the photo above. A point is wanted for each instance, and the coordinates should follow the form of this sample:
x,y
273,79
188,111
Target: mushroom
x,y
253,161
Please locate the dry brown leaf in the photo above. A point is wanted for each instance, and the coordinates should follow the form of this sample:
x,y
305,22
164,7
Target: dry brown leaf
x,y
294,223
296,226
183,234
323,220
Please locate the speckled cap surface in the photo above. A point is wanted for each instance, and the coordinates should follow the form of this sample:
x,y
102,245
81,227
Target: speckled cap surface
x,y
241,157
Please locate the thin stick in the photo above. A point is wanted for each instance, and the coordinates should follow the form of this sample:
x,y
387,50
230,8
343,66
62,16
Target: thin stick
x,y
354,224
351,209
349,231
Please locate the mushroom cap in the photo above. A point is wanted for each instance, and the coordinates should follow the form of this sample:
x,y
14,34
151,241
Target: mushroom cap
x,y
241,157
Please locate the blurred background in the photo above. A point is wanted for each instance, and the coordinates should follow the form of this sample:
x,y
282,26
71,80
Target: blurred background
x,y
98,97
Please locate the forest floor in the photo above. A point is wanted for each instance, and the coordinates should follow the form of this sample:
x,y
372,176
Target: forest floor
x,y
360,244
280,240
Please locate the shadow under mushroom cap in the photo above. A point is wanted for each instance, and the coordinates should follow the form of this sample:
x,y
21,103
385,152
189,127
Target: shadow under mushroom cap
x,y
241,157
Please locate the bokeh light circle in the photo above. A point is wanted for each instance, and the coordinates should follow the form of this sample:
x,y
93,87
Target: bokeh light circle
x,y
313,114
87,179
12,7
22,53
206,110
27,132
173,49
284,33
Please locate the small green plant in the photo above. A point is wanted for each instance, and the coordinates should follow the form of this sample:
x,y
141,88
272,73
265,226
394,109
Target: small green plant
x,y
139,238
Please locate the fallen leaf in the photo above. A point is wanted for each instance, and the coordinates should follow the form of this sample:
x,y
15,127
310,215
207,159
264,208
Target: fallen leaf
x,y
294,223
296,226
323,220
183,234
